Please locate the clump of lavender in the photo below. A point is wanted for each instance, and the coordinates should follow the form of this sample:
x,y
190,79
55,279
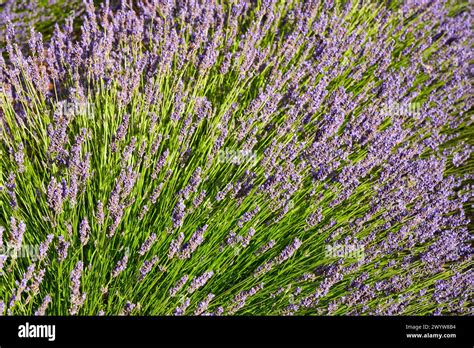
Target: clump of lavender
x,y
77,298
320,148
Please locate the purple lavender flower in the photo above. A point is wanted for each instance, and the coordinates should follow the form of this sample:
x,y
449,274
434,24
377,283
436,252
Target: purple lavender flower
x,y
288,251
265,247
62,248
147,267
17,232
42,309
179,285
84,230
77,299
129,149
145,210
159,165
196,240
20,158
55,196
178,213
334,114
147,244
203,305
36,282
121,266
175,246
121,132
314,218
199,282
264,268
193,183
199,199
247,216
156,193
11,185
128,308
3,259
180,310
22,285
178,102
43,248
99,215
246,240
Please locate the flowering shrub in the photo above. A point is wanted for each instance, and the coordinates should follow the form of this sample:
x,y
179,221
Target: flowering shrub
x,y
194,158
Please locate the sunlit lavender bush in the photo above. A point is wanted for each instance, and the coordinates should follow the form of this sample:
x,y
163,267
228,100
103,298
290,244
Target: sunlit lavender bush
x,y
39,14
243,158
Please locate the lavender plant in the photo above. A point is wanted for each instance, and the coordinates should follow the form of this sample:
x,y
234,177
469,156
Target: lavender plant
x,y
39,14
239,158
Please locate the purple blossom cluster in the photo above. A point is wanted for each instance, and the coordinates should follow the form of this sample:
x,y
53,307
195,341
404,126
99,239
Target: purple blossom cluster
x,y
147,267
77,298
44,306
199,281
359,134
179,285
121,266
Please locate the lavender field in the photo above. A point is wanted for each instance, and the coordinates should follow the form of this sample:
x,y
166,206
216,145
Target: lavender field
x,y
209,157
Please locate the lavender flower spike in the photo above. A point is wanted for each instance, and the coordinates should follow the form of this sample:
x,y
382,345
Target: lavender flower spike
x,y
121,266
84,230
42,309
147,244
199,282
77,299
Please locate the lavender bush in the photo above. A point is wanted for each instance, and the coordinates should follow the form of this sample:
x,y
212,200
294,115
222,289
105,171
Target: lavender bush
x,y
215,158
